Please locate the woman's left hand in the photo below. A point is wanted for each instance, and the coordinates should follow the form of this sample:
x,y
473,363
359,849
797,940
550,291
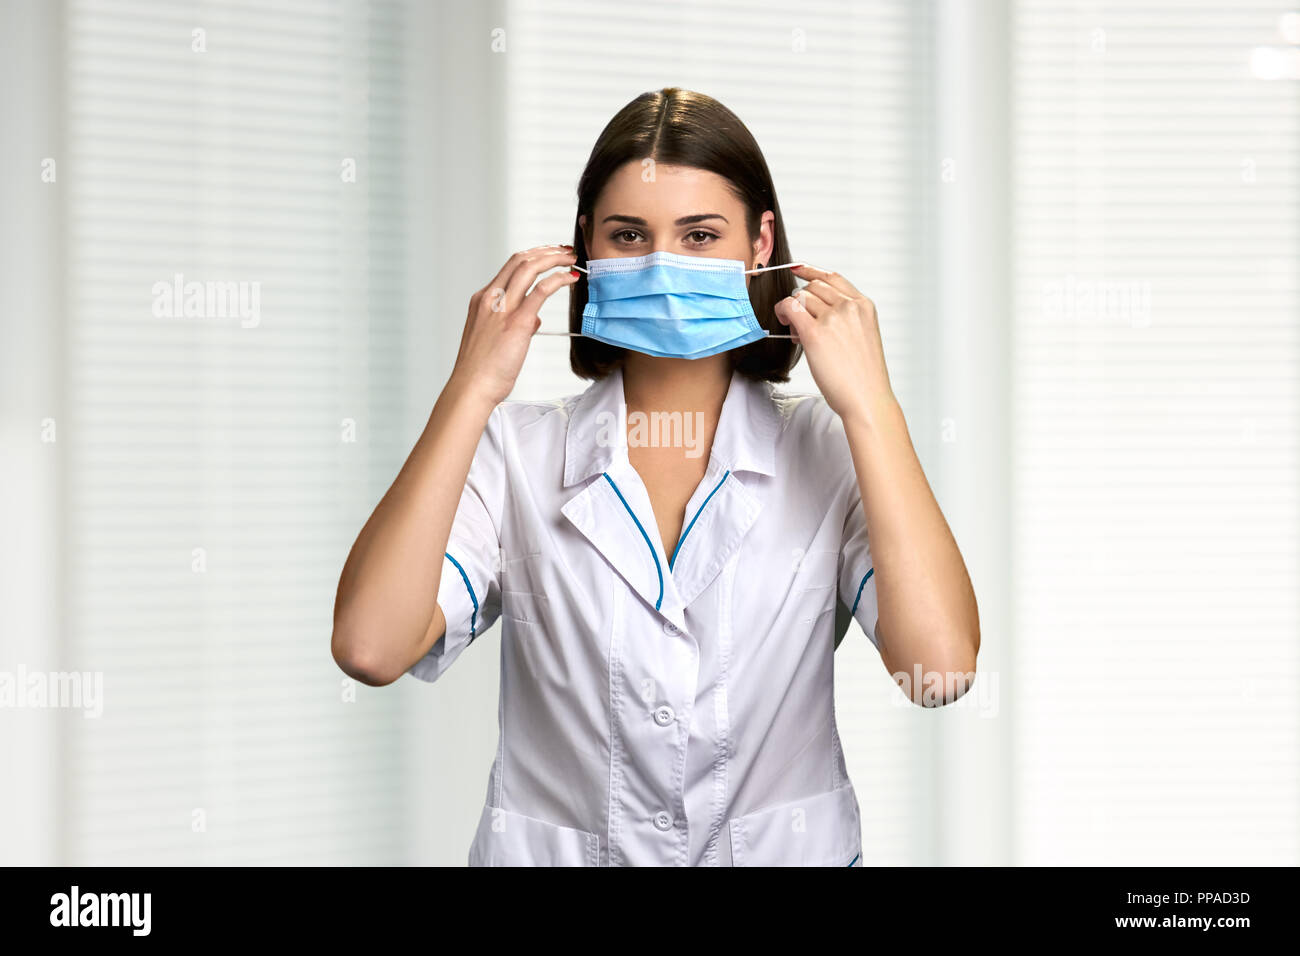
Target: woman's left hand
x,y
836,325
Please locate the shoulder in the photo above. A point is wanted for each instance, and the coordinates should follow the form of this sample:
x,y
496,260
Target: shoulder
x,y
812,443
532,424
516,414
807,419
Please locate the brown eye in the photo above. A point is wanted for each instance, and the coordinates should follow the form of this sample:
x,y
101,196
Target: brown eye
x,y
704,236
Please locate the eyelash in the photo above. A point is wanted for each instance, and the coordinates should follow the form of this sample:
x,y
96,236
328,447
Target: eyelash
x,y
703,232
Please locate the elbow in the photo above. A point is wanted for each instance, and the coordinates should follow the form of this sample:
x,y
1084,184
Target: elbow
x,y
943,685
960,650
959,680
358,658
941,671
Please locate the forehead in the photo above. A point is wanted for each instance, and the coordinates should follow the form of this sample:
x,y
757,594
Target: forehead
x,y
657,191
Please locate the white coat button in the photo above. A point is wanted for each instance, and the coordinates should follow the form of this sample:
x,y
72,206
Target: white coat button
x,y
662,820
664,715
671,628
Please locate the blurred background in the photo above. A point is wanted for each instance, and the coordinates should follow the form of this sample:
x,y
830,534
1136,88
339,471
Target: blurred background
x,y
1080,222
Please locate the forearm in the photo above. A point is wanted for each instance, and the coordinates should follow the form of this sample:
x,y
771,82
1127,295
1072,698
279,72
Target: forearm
x,y
387,594
928,615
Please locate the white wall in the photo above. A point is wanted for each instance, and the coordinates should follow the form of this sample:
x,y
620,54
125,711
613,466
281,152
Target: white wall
x,y
455,212
1125,495
31,333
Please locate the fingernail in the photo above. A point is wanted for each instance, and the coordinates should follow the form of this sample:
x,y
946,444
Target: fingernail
x,y
566,246
574,272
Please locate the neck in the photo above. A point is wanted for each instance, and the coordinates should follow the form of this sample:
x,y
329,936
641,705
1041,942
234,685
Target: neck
x,y
652,383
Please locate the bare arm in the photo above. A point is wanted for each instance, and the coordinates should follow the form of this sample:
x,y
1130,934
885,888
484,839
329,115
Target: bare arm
x,y
386,615
928,618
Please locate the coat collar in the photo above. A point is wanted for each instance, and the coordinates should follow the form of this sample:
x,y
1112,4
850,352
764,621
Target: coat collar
x,y
745,439
614,513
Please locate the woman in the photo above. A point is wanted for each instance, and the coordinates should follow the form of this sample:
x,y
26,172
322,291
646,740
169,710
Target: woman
x,y
667,605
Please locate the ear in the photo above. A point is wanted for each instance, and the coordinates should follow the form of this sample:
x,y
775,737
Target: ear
x,y
766,240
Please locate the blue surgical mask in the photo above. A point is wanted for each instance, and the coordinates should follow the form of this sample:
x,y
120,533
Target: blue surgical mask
x,y
671,305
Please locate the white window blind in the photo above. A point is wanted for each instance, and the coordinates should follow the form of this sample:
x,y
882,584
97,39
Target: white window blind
x,y
225,738
830,92
1157,229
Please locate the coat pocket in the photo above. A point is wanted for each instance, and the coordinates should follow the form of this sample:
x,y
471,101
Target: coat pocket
x,y
524,607
816,584
506,838
820,830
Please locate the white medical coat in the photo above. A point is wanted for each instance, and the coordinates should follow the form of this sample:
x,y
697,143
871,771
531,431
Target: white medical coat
x,y
657,709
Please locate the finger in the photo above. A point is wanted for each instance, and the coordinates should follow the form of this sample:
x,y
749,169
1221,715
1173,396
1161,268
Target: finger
x,y
528,272
523,277
824,291
803,301
502,278
497,294
790,312
532,304
832,278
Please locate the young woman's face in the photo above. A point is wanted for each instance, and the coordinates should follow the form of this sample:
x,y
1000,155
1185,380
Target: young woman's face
x,y
684,210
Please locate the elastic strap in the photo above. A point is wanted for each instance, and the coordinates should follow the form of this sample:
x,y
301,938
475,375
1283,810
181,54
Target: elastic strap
x,y
582,335
770,268
746,272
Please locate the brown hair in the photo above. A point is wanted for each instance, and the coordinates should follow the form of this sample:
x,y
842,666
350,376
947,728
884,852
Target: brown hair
x,y
682,128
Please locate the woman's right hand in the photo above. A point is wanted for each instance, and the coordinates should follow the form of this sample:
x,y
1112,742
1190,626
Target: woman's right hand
x,y
502,319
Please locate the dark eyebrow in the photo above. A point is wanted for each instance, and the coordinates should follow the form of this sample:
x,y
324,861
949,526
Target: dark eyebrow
x,y
684,221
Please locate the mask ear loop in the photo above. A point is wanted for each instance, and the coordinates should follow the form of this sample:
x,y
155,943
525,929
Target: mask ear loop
x,y
747,272
787,265
770,268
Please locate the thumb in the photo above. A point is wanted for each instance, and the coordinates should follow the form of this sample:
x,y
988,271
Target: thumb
x,y
790,311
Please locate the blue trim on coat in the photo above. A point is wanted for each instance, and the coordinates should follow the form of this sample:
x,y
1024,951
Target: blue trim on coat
x,y
693,520
465,577
860,587
653,554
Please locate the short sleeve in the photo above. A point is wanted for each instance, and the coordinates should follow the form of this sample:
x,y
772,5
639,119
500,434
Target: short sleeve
x,y
469,588
857,573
